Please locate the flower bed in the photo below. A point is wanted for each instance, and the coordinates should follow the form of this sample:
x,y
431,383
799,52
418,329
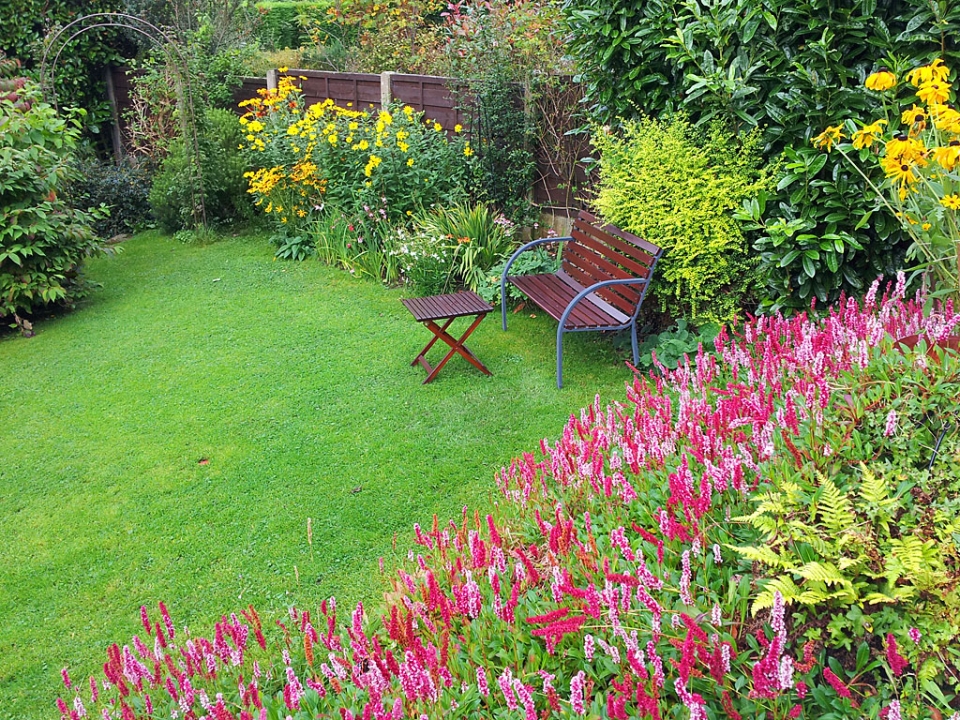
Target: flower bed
x,y
691,547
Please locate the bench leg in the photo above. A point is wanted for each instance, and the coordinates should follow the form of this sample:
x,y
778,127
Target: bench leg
x,y
559,356
503,302
633,338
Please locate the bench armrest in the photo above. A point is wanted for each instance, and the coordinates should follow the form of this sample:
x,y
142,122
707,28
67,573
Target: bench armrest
x,y
600,285
506,268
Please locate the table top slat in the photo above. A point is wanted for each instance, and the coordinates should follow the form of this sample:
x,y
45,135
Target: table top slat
x,y
452,305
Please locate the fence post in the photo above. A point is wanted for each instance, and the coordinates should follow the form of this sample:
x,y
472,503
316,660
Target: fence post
x,y
386,89
273,79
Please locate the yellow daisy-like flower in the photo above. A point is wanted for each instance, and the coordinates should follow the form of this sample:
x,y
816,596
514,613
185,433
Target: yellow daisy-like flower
x,y
902,173
926,226
865,136
458,128
386,117
332,139
905,149
915,115
934,72
410,162
952,202
407,110
934,93
828,137
947,157
467,150
437,126
403,146
352,125
945,118
255,126
881,80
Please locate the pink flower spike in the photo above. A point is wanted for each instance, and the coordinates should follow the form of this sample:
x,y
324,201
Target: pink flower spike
x,y
897,662
66,678
891,427
145,619
576,693
914,635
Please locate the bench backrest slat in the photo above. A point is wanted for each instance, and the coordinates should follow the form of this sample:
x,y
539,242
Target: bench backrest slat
x,y
604,253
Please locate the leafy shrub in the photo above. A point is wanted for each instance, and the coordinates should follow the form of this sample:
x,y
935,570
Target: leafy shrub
x,y
123,188
282,23
825,239
786,68
677,188
43,241
601,585
175,194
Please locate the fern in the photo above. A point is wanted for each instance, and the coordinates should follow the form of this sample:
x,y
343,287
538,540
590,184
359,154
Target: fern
x,y
836,509
765,555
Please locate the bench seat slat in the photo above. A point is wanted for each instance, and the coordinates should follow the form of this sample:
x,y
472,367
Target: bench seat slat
x,y
552,294
623,297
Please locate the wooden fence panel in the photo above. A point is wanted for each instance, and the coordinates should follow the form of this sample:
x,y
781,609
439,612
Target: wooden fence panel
x,y
440,99
356,90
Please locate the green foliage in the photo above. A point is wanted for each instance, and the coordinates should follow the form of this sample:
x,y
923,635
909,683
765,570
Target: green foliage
x,y
668,348
480,238
790,69
858,538
504,134
176,194
79,73
676,187
282,24
535,261
123,188
826,235
43,241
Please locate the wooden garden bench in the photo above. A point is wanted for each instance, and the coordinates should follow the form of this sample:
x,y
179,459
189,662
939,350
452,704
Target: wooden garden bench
x,y
602,281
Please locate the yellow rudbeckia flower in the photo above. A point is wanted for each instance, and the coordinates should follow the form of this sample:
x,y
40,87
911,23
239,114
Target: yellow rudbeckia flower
x,y
881,80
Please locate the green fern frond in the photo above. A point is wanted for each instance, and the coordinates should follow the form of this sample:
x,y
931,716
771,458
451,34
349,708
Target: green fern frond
x,y
873,488
764,555
835,509
826,573
787,588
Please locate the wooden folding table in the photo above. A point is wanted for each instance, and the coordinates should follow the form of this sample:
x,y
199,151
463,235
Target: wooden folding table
x,y
447,308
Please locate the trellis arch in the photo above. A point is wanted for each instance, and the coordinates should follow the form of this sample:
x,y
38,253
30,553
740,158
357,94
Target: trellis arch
x,y
175,60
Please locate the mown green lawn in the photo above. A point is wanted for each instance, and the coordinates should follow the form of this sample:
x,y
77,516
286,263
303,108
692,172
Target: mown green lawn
x,y
172,437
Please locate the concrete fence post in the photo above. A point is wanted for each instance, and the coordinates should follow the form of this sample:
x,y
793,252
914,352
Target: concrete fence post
x,y
273,79
386,89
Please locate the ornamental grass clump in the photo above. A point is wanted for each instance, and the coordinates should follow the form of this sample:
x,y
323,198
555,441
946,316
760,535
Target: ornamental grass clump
x,y
917,145
608,581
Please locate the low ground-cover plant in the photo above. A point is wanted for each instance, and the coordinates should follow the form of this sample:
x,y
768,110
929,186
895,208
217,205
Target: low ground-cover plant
x,y
604,583
678,188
